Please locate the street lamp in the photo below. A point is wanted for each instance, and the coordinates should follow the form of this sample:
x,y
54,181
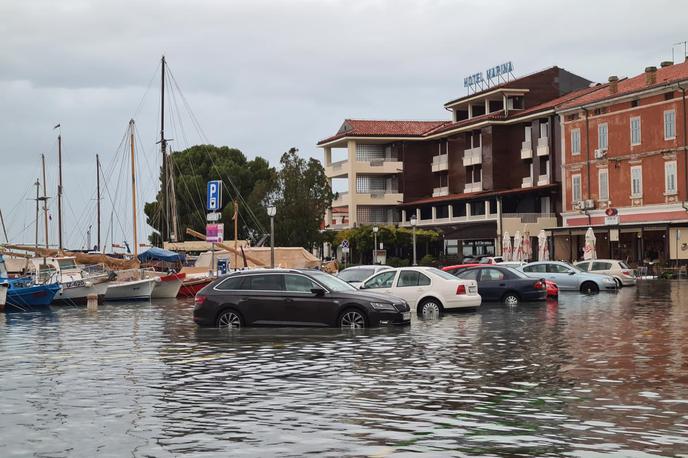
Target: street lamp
x,y
272,211
375,229
414,221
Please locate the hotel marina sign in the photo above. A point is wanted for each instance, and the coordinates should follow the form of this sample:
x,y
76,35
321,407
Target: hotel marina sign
x,y
500,73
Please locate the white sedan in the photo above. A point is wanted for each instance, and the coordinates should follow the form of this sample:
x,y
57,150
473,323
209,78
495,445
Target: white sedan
x,y
427,289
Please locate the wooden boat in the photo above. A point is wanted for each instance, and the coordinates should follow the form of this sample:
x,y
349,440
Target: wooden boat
x,y
76,284
193,285
22,292
134,290
169,285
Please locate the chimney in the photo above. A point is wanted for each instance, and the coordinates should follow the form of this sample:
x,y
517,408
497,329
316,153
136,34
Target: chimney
x,y
650,76
613,84
666,63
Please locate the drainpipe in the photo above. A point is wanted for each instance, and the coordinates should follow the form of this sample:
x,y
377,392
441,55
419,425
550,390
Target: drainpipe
x,y
685,147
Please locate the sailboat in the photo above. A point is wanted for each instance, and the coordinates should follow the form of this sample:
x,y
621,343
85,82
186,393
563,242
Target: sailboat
x,y
23,292
135,287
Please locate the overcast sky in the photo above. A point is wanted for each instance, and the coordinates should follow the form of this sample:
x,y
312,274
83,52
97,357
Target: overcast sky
x,y
263,76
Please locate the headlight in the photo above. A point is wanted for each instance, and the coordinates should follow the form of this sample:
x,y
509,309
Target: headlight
x,y
383,306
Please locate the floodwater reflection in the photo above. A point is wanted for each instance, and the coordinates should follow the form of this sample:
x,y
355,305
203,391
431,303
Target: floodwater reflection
x,y
584,375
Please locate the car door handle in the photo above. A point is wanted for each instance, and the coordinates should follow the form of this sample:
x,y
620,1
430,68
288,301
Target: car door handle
x,y
288,299
502,284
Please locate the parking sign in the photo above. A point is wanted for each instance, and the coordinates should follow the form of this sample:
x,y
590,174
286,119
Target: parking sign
x,y
214,202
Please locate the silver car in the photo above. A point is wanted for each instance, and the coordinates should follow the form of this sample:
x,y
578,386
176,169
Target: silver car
x,y
570,278
356,274
623,274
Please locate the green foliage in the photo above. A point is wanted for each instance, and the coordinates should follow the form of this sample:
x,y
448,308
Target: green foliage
x,y
302,195
361,239
427,260
194,167
398,262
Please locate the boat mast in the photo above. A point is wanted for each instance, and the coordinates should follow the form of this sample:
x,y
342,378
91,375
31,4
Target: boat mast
x,y
133,186
173,200
164,215
38,187
45,202
59,190
98,199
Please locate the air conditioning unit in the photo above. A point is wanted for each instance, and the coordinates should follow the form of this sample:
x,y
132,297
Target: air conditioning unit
x,y
600,153
589,204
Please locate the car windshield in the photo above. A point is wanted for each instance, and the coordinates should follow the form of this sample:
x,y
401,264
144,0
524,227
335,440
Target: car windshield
x,y
355,274
331,282
441,273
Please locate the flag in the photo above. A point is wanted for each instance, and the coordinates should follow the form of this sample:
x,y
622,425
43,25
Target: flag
x,y
56,126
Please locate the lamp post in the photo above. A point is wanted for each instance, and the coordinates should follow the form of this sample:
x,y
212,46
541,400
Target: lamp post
x,y
375,229
413,226
271,213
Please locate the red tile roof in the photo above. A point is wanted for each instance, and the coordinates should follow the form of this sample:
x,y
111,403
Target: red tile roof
x,y
380,128
664,76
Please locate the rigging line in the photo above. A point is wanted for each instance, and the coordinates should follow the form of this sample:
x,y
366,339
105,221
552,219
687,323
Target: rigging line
x,y
139,158
200,211
201,133
113,202
150,83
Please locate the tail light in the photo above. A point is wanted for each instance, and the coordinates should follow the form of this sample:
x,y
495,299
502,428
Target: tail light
x,y
199,299
461,289
627,273
539,285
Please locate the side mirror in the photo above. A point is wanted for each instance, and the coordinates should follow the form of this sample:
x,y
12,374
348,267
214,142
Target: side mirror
x,y
318,291
572,272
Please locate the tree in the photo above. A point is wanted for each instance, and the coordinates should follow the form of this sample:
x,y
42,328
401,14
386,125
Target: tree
x,y
301,197
254,180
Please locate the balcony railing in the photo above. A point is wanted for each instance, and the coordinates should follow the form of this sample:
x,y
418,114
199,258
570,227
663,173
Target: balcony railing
x,y
543,146
473,156
543,180
341,200
527,182
526,150
441,191
473,187
440,163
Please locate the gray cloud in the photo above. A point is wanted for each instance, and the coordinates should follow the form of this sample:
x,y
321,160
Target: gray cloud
x,y
267,75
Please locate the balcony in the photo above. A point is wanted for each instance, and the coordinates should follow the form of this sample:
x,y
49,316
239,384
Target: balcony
x,y
473,156
543,146
512,222
526,150
382,167
388,197
441,191
473,187
341,200
527,182
543,180
440,163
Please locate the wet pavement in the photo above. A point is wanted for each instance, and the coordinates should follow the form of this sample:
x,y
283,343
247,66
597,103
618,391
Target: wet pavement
x,y
589,376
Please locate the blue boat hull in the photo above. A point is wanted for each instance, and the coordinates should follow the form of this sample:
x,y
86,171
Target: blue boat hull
x,y
31,296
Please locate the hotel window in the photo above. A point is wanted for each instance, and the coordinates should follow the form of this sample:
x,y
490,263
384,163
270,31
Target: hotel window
x,y
603,176
602,136
528,138
635,131
575,141
544,129
637,181
669,125
670,177
576,187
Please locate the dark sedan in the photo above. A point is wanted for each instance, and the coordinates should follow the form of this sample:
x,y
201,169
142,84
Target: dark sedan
x,y
279,297
505,284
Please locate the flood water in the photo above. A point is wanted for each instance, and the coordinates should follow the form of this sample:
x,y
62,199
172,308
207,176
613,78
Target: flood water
x,y
589,376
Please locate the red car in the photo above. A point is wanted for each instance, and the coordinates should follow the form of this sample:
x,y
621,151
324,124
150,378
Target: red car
x,y
552,289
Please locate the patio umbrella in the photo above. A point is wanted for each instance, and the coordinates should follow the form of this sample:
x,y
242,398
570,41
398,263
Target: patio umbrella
x,y
543,246
517,253
589,249
506,246
527,247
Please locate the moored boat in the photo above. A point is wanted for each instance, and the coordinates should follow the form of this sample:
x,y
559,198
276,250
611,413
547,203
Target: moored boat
x,y
76,284
23,293
191,286
134,290
169,285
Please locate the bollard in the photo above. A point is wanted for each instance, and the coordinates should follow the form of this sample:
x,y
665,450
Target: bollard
x,y
92,302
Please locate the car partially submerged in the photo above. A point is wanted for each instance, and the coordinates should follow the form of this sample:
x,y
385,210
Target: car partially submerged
x,y
356,274
619,270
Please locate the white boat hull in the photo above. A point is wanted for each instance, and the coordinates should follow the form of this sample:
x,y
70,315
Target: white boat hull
x,y
79,294
137,290
167,289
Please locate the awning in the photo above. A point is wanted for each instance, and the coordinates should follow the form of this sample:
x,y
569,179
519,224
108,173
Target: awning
x,y
158,254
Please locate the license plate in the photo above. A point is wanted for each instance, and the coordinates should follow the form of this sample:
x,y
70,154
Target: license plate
x,y
406,316
472,289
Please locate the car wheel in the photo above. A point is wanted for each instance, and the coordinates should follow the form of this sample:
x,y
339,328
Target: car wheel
x,y
619,284
510,299
229,319
352,319
590,287
430,306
